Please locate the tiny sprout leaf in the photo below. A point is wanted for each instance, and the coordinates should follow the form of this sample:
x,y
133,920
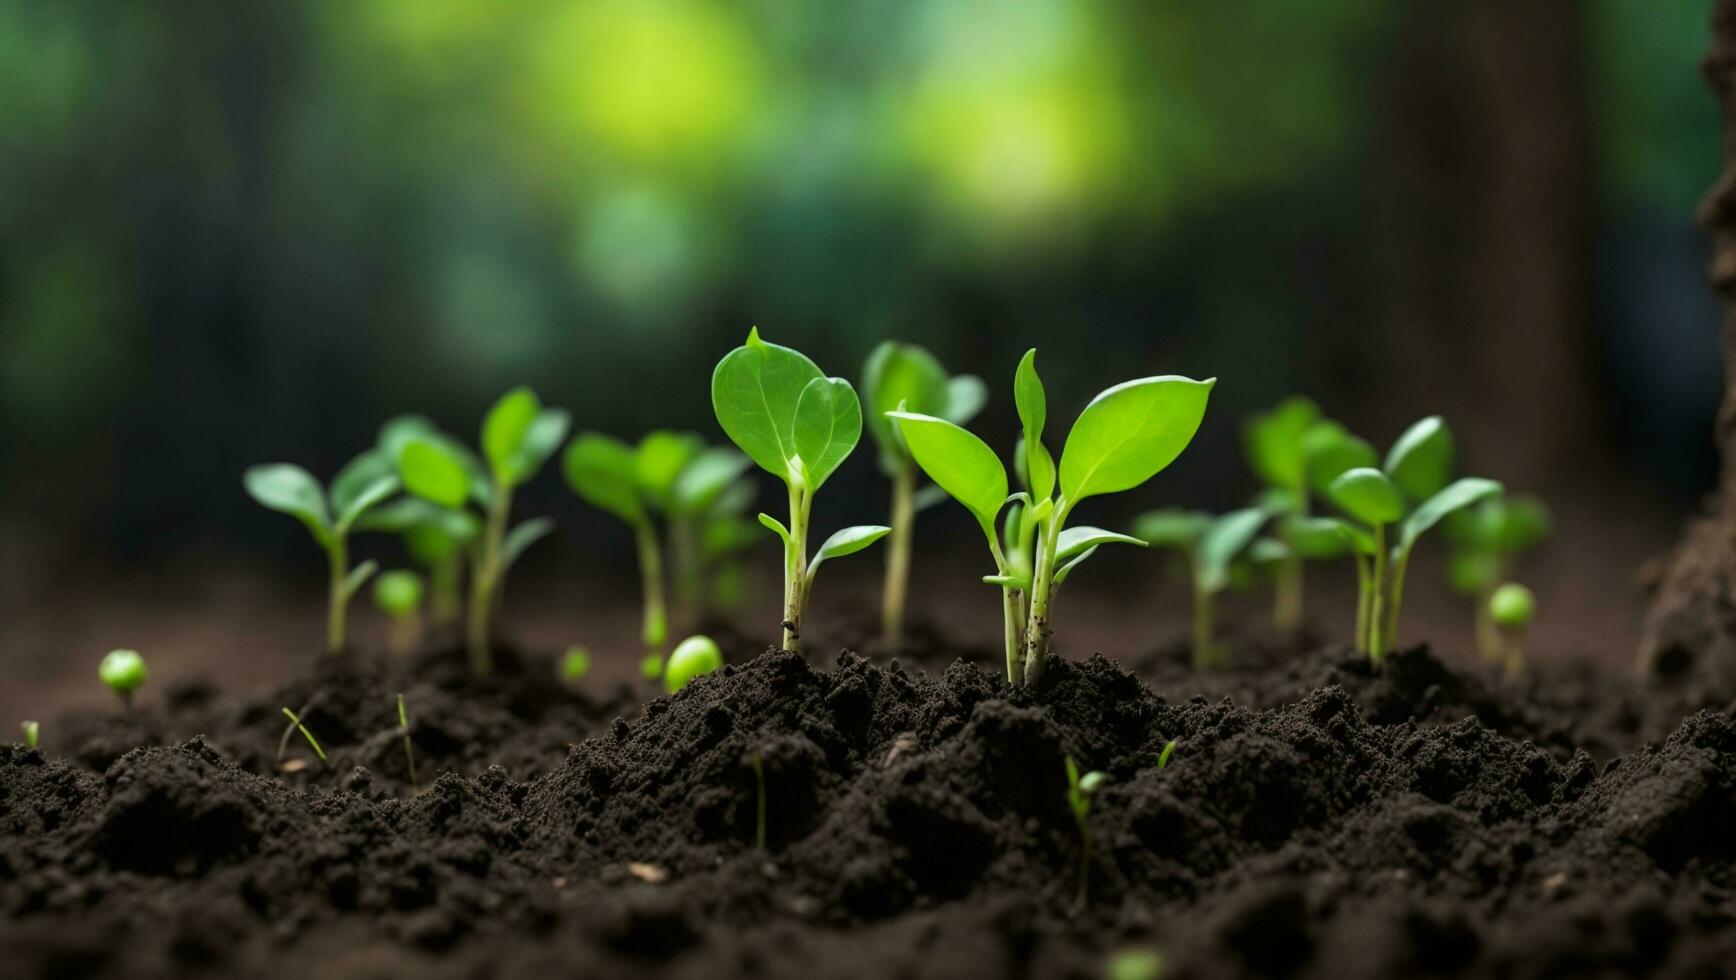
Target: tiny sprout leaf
x,y
604,472
431,471
958,462
504,429
1421,461
1168,753
660,459
544,437
1019,582
398,430
1272,442
691,657
776,526
359,576
1461,493
847,542
1037,465
522,537
289,489
966,394
899,376
1131,432
1330,451
754,392
575,664
1076,540
358,475
398,592
123,671
828,426
1227,537
1355,538
1512,606
703,481
1091,781
1065,570
1171,528
1366,494
365,500
1314,537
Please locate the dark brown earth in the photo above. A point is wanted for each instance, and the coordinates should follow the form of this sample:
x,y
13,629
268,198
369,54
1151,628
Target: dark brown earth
x,y
1319,818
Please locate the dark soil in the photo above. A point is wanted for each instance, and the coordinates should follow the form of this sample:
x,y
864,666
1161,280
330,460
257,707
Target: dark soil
x,y
1319,818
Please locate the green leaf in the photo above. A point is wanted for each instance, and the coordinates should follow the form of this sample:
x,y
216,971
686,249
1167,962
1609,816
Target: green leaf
x,y
1066,568
725,536
1227,537
504,429
1171,527
1330,451
899,374
1074,540
399,430
828,426
1472,572
1129,433
966,394
540,442
431,471
1272,442
847,542
358,576
521,537
398,592
703,481
1367,495
1033,405
754,392
364,501
958,462
1314,538
1421,461
662,457
289,489
408,514
604,472
1357,539
1021,583
358,475
777,527
1270,551
1526,521
1459,494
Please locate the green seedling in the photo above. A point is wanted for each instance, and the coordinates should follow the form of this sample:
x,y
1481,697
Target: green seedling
x,y
1124,437
709,529
436,538
1392,507
295,721
651,666
1484,542
398,594
404,733
32,731
1164,756
330,515
905,377
124,672
518,437
1080,790
1511,609
691,657
575,664
1297,454
800,426
1134,964
758,765
1209,545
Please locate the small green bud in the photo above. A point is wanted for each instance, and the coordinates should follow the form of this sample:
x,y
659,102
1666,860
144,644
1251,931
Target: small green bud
x,y
398,593
31,732
651,666
693,656
1512,606
1134,964
575,664
123,671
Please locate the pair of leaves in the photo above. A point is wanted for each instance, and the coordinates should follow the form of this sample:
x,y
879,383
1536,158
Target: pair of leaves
x,y
1500,525
289,489
1363,497
845,542
777,405
899,375
1081,787
1212,543
519,435
1416,468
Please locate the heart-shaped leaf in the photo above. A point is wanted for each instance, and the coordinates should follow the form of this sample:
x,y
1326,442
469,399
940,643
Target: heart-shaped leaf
x,y
430,470
1033,405
1074,540
1367,495
604,472
847,542
1272,442
958,462
1421,461
1227,537
828,426
754,392
289,489
364,500
1131,432
1459,494
1172,527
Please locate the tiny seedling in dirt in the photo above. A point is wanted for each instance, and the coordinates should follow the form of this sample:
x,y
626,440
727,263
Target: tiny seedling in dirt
x,y
1511,609
1484,542
518,436
1210,545
32,731
436,538
295,721
1124,437
691,657
1297,454
1408,495
757,763
1080,790
124,672
799,425
404,732
1167,754
330,515
906,377
1134,964
398,594
575,664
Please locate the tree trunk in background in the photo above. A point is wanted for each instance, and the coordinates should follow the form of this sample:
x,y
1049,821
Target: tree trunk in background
x,y
1693,615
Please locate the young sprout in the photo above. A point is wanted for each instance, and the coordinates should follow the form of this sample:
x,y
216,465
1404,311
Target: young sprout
x,y
1297,453
436,538
1511,609
798,425
32,731
124,672
295,720
1210,545
1394,506
403,732
1080,789
329,516
398,594
651,666
575,664
1124,437
518,437
1164,756
1483,544
1134,964
759,774
906,377
691,657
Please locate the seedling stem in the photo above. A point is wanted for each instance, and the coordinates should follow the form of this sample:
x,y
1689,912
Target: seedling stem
x,y
295,720
898,554
409,753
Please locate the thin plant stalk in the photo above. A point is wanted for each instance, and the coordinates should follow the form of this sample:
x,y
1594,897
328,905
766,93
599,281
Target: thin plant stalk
x,y
483,583
796,566
409,753
336,600
1364,600
1042,587
1012,612
1377,613
1395,598
656,618
898,555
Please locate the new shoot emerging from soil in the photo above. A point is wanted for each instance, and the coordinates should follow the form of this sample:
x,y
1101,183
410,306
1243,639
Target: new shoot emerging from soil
x,y
575,664
1209,545
691,657
1080,790
906,377
329,515
398,594
1511,609
404,733
32,731
295,720
124,672
799,425
1167,754
1392,507
518,437
1124,437
1484,542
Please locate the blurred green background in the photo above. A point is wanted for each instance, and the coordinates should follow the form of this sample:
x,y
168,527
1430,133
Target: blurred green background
x,y
232,233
